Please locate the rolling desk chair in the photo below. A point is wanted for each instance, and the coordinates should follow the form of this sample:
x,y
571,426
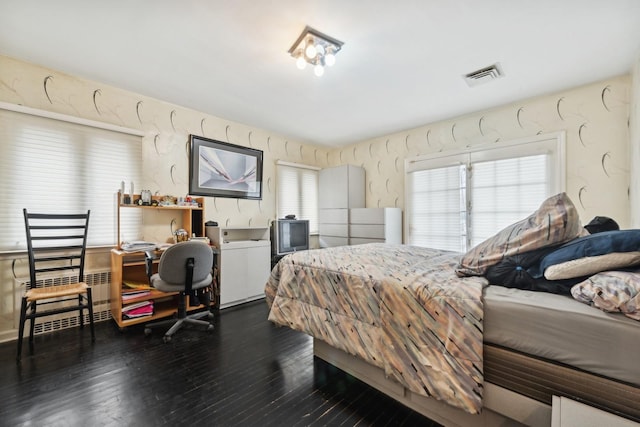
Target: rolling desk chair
x,y
183,267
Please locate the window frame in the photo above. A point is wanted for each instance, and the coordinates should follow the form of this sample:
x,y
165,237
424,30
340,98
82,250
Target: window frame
x,y
312,230
554,142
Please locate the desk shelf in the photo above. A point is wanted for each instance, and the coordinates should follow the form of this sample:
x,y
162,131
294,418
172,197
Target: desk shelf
x,y
190,216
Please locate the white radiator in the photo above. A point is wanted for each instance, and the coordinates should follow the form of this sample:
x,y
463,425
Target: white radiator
x,y
99,282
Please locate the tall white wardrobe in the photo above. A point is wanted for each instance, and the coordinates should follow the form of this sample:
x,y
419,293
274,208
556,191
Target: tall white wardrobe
x,y
343,218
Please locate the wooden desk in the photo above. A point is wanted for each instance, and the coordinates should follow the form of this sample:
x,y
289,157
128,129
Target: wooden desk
x,y
131,267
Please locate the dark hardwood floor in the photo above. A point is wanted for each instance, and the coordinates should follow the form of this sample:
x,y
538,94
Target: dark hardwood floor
x,y
247,372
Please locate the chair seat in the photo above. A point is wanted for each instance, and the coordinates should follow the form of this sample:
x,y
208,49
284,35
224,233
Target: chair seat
x,y
163,286
37,294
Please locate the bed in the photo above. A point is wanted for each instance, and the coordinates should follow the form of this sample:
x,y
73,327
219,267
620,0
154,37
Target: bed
x,y
426,327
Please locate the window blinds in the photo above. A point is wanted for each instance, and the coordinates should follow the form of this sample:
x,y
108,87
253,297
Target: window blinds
x,y
437,217
505,191
53,166
456,201
298,193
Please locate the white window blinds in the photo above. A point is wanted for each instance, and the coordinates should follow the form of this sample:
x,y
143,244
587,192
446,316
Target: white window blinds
x,y
456,201
437,217
53,166
298,193
505,191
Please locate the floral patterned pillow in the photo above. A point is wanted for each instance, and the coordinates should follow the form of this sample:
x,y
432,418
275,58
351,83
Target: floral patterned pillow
x,y
613,291
556,221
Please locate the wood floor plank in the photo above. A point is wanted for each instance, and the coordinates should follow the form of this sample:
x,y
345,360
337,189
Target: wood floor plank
x,y
247,372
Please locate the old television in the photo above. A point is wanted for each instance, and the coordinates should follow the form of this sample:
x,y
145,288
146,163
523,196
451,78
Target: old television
x,y
289,235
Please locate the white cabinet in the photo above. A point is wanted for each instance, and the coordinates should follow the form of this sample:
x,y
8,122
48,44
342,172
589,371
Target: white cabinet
x,y
368,225
569,413
244,263
244,271
341,188
333,227
343,218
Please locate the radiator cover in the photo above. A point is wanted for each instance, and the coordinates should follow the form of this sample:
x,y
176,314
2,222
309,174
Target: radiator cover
x,y
100,281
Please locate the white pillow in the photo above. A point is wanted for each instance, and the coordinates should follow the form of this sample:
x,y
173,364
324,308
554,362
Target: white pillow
x,y
592,264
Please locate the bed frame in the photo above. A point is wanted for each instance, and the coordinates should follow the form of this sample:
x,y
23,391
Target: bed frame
x,y
518,389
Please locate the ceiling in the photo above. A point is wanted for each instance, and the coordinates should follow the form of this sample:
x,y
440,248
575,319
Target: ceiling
x,y
401,65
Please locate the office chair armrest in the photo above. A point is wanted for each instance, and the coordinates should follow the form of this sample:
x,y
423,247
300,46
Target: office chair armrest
x,y
149,257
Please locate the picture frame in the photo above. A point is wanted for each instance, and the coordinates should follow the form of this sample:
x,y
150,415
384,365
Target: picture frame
x,y
221,169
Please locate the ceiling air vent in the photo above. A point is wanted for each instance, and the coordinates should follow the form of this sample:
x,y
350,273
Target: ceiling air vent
x,y
484,75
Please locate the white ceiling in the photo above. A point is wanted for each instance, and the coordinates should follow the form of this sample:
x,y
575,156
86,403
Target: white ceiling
x,y
400,66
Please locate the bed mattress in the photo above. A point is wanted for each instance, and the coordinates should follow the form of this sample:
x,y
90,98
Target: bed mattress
x,y
561,329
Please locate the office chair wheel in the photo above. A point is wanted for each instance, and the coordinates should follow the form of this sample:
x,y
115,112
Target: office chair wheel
x,y
147,331
166,339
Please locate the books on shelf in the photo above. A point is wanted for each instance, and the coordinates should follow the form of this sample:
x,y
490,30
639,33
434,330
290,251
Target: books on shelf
x,y
128,296
138,246
140,309
132,284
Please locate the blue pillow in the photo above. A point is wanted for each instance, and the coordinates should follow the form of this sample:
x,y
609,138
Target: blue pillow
x,y
594,248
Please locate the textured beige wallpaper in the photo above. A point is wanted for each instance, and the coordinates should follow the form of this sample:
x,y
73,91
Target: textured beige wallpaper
x,y
634,141
165,144
595,118
165,156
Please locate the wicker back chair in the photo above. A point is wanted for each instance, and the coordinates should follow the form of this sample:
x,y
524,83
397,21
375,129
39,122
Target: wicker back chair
x,y
56,246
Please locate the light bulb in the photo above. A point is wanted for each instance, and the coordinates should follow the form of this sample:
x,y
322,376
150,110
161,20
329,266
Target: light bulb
x,y
319,49
330,59
318,70
301,63
310,51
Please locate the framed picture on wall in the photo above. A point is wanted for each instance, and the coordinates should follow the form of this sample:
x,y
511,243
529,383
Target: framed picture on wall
x,y
220,169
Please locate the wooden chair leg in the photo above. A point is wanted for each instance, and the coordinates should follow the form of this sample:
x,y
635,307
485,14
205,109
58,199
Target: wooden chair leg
x,y
23,315
81,314
33,307
90,306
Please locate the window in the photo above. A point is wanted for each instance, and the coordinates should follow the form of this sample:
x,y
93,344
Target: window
x,y
54,166
457,200
298,192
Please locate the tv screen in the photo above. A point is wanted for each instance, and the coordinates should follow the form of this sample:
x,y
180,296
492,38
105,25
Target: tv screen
x,y
289,235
